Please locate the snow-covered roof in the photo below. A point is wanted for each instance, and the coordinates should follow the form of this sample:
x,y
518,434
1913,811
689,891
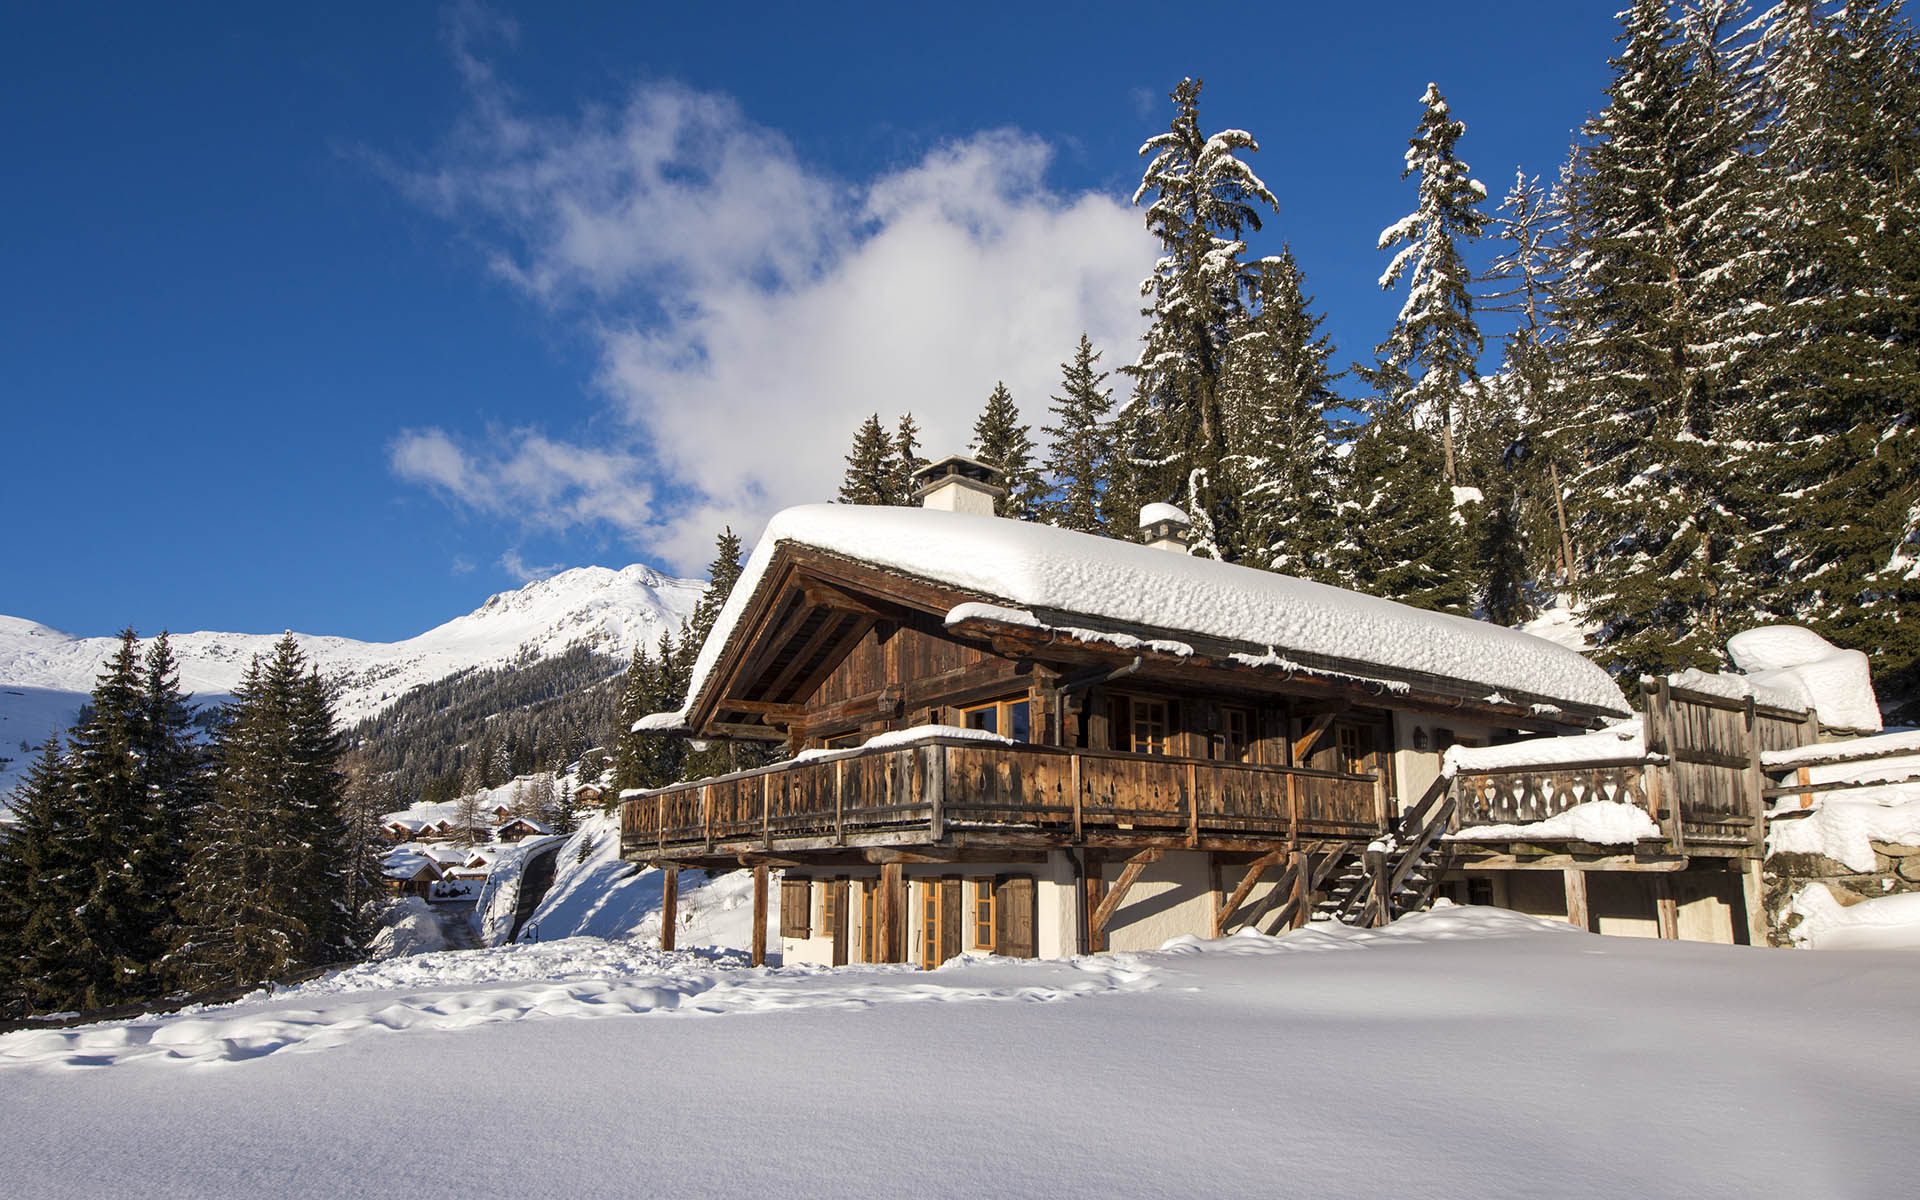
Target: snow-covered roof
x,y
529,822
1032,566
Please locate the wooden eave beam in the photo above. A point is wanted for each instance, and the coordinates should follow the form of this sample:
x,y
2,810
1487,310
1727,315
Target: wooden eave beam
x,y
833,626
839,647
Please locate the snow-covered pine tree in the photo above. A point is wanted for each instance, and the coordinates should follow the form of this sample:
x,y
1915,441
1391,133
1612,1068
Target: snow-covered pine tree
x,y
1436,340
1661,237
239,912
1001,440
906,458
722,573
44,879
1521,282
1277,395
1399,533
1080,459
1204,201
173,769
126,901
872,470
1840,328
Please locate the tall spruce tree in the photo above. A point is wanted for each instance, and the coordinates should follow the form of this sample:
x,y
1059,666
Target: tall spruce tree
x,y
1277,398
1661,235
722,573
873,473
1204,201
1080,457
45,877
1435,344
906,458
1400,535
1839,324
273,867
1002,441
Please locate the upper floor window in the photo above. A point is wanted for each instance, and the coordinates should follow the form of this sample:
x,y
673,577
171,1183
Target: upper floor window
x,y
1141,725
1233,741
1355,744
1012,717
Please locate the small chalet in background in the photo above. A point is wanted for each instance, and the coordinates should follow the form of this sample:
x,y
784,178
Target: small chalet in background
x,y
518,829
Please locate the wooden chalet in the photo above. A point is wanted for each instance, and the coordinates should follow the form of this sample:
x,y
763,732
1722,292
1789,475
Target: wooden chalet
x,y
1024,740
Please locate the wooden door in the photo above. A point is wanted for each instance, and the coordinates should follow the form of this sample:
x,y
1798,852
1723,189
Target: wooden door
x,y
1013,905
836,919
952,916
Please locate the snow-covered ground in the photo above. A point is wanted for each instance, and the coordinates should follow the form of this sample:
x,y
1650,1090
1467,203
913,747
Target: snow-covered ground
x,y
45,675
1463,1052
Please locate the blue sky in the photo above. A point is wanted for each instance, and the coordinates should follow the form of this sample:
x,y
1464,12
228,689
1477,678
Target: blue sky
x,y
341,319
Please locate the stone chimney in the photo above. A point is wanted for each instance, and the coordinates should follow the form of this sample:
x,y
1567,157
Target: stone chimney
x,y
1165,527
958,484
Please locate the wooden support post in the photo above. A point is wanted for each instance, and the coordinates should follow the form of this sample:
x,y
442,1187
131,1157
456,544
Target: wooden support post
x,y
936,758
1381,905
1077,785
1753,891
760,916
1293,807
669,905
1193,804
1756,780
1666,910
839,799
1093,890
1578,914
1803,777
1117,894
891,914
838,896
766,809
1302,887
1255,870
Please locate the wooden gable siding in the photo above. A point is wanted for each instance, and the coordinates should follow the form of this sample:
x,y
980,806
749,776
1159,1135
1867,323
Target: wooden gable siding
x,y
892,654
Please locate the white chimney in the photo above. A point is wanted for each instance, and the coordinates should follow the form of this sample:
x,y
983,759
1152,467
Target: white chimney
x,y
958,484
1166,527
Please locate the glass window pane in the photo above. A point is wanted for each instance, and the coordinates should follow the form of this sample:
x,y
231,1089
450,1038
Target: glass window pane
x,y
1017,722
984,718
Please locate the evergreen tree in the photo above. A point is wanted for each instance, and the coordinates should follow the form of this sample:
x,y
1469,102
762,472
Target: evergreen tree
x,y
873,474
906,459
121,827
1278,395
1661,235
1081,456
1400,534
274,864
722,573
1205,199
45,877
1839,324
1436,341
1000,440
173,770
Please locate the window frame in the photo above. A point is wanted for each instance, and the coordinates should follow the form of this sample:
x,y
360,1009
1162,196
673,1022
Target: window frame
x,y
1002,708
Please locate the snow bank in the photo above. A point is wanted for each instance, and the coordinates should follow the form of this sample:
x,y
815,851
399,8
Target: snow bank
x,y
1040,568
1623,739
409,926
1882,923
1834,683
1602,822
1844,825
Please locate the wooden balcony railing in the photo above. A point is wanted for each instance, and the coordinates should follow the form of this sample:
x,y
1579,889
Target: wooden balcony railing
x,y
933,790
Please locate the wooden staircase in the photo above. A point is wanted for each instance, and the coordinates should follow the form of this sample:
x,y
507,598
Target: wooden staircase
x,y
1367,885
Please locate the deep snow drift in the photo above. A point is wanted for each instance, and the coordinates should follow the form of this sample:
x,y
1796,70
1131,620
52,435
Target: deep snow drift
x,y
1463,1052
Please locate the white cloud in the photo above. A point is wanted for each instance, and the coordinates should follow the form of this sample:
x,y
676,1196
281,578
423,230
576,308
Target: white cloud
x,y
526,572
750,310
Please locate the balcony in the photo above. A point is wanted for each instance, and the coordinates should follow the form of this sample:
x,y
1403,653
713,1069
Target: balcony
x,y
954,792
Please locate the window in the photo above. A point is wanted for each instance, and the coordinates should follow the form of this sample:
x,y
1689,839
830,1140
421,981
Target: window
x,y
1233,742
941,917
983,914
1148,726
846,741
869,927
1355,743
827,895
1009,718
796,905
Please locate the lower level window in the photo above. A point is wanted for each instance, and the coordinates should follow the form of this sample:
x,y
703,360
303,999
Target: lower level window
x,y
983,914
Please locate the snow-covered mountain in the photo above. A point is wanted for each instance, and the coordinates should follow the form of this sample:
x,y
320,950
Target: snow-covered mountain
x,y
45,675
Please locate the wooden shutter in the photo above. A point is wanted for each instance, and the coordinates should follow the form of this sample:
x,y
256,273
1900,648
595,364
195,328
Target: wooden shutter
x,y
838,890
953,914
1013,912
796,907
